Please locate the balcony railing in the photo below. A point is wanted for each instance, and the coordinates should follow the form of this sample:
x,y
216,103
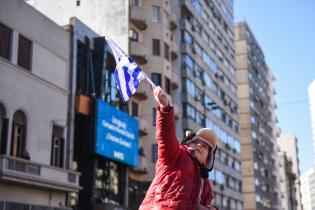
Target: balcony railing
x,y
174,49
137,17
141,94
37,174
143,166
142,126
175,80
173,21
187,7
138,52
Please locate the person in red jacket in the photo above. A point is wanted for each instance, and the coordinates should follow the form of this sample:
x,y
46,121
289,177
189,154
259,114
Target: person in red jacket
x,y
181,177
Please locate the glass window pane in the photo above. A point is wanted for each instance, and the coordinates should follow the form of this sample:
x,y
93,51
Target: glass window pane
x,y
156,15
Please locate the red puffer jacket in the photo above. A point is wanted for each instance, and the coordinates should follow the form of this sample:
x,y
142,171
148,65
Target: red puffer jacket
x,y
177,181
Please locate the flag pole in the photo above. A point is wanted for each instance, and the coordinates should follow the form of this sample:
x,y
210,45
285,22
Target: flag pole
x,y
151,83
148,79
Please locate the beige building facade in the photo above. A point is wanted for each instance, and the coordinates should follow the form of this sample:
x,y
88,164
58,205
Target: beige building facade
x,y
34,68
287,182
288,144
258,129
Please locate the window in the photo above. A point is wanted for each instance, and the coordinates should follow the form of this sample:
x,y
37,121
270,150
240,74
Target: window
x,y
134,109
133,35
154,153
135,3
186,38
166,20
18,140
199,118
5,42
156,14
210,63
190,87
166,51
57,147
108,181
167,85
207,80
197,5
156,47
156,79
81,67
188,61
154,117
190,112
3,130
24,52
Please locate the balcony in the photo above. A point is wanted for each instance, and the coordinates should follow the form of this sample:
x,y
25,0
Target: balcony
x,y
177,111
137,17
187,8
175,80
142,168
173,21
140,94
142,126
174,49
138,52
36,174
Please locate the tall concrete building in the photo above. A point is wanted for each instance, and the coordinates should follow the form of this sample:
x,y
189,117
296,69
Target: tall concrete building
x,y
288,144
187,47
208,89
258,129
288,178
308,189
34,67
311,95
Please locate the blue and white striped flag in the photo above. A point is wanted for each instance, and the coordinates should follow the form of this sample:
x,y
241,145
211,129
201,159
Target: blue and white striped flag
x,y
127,73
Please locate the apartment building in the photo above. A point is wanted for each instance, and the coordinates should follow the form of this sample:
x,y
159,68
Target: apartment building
x,y
311,96
307,189
35,163
258,129
288,144
288,179
209,87
187,47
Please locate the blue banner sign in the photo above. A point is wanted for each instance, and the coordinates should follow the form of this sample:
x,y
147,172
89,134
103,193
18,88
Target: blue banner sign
x,y
116,134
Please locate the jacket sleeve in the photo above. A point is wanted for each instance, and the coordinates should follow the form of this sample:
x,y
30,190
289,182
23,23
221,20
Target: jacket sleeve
x,y
168,145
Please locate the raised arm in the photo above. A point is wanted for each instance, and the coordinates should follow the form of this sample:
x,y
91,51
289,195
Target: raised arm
x,y
168,145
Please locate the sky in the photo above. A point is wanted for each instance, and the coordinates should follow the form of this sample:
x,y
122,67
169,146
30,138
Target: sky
x,y
285,30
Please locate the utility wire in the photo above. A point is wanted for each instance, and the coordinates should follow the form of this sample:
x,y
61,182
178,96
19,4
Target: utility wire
x,y
293,102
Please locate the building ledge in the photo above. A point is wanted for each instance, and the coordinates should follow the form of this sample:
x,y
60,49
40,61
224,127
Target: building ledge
x,y
137,17
26,172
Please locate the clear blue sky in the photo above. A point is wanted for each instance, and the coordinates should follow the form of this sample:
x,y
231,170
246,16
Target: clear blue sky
x,y
285,30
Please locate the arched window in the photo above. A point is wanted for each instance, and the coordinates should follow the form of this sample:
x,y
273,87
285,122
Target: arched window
x,y
3,130
18,140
